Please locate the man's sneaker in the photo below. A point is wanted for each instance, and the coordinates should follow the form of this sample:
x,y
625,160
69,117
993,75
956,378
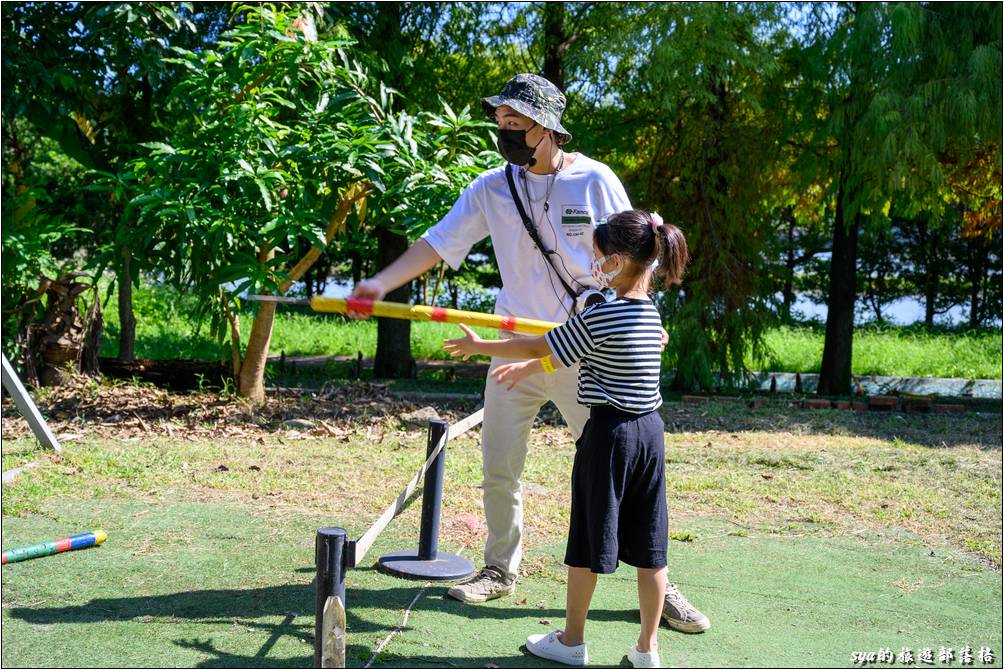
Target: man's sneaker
x,y
547,645
681,615
643,659
488,584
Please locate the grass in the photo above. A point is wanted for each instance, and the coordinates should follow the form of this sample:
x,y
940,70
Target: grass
x,y
768,469
907,351
165,331
804,535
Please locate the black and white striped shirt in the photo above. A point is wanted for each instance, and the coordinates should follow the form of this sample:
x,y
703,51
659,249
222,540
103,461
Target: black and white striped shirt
x,y
619,344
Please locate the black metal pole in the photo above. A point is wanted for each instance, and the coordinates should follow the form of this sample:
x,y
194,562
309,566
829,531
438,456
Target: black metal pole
x,y
329,560
432,494
428,562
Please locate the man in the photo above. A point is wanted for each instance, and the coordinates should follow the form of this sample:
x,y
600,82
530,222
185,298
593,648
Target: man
x,y
544,255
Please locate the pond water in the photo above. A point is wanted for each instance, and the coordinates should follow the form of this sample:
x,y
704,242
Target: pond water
x,y
902,312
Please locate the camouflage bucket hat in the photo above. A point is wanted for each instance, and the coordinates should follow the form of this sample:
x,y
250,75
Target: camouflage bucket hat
x,y
534,97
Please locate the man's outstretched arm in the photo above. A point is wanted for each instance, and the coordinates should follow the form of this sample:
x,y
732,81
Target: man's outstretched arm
x,y
417,260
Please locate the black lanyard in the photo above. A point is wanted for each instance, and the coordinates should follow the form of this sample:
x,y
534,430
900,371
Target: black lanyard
x,y
534,236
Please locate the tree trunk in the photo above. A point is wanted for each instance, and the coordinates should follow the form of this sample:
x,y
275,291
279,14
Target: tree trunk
x,y
235,337
788,290
835,372
62,332
928,258
875,297
393,353
977,269
92,338
127,320
357,267
555,43
251,383
308,277
930,295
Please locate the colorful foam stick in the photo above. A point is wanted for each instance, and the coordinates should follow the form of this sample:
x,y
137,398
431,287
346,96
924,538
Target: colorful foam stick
x,y
81,541
396,310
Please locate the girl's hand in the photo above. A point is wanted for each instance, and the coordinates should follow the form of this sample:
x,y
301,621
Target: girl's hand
x,y
466,346
515,372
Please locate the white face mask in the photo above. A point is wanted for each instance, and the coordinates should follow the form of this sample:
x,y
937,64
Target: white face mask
x,y
602,278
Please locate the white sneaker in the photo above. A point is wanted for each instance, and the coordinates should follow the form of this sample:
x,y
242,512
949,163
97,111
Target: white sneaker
x,y
642,659
547,645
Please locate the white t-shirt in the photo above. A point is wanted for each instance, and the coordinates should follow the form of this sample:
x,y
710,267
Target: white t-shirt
x,y
581,195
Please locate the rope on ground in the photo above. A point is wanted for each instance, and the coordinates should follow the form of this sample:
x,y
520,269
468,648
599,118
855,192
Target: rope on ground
x,y
9,476
369,537
404,622
398,628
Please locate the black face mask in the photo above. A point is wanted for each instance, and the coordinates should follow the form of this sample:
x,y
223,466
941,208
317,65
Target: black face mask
x,y
513,147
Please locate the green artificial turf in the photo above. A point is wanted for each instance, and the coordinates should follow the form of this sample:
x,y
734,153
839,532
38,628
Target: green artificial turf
x,y
210,585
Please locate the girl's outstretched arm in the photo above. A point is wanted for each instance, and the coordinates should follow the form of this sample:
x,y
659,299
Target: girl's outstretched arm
x,y
518,347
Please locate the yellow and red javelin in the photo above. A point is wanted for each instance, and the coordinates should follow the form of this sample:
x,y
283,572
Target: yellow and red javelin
x,y
396,310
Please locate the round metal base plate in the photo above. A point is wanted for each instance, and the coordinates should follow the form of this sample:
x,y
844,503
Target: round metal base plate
x,y
407,564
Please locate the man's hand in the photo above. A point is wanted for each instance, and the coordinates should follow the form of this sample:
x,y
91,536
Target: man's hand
x,y
465,346
417,260
368,289
516,372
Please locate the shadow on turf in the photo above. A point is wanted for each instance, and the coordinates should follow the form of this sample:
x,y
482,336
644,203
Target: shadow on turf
x,y
221,609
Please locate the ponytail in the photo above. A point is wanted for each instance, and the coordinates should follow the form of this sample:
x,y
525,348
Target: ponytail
x,y
671,253
643,238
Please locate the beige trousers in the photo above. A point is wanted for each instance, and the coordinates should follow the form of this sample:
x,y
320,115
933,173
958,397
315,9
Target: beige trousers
x,y
508,419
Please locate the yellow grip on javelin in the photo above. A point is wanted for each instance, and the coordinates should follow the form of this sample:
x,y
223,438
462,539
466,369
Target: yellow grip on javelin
x,y
396,310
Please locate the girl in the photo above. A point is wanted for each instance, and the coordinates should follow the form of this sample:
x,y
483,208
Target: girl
x,y
618,477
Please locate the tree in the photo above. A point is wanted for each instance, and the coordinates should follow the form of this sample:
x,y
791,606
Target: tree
x,y
690,126
929,247
91,77
39,234
880,268
887,89
275,140
974,192
386,40
402,43
284,138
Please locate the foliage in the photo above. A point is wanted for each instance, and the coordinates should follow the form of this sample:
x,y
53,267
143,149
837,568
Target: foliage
x,y
889,92
271,128
83,83
41,230
221,140
84,74
436,156
702,136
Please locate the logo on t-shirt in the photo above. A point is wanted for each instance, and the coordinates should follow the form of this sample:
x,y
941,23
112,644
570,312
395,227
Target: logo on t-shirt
x,y
576,221
576,215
